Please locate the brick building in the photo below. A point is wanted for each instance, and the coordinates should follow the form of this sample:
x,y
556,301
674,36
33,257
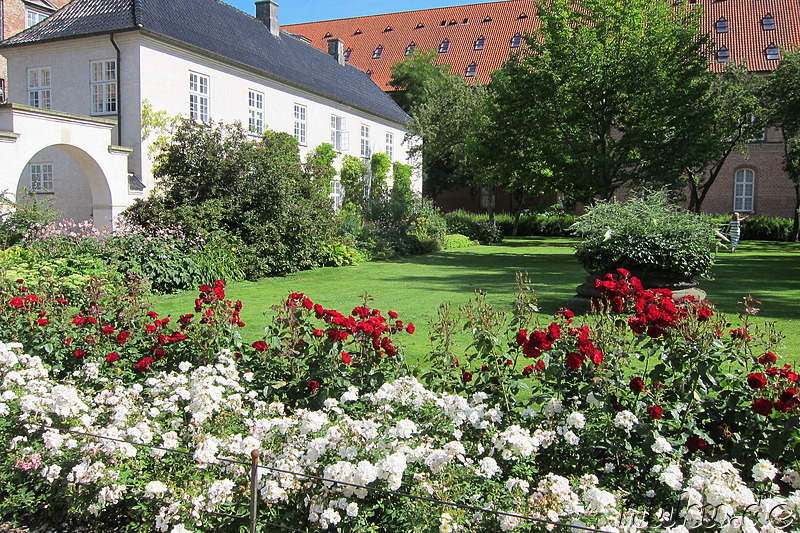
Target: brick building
x,y
476,39
15,16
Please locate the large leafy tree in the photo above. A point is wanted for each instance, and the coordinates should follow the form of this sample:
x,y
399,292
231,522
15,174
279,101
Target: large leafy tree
x,y
418,74
606,94
783,95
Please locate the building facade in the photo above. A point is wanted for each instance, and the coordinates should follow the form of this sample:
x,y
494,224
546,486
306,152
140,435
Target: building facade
x,y
96,64
476,39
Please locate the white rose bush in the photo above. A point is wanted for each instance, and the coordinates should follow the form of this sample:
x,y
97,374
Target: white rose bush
x,y
608,422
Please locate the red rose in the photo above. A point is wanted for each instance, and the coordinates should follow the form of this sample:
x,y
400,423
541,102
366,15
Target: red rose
x,y
393,315
108,330
757,381
313,385
160,353
522,337
704,313
767,359
655,412
410,328
260,346
42,322
113,356
78,321
762,406
123,337
144,364
574,360
308,304
205,288
318,332
528,370
695,443
597,357
346,359
466,376
16,302
636,384
79,353
739,334
540,365
67,341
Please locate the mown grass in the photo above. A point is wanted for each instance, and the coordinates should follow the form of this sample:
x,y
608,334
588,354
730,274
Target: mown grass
x,y
416,286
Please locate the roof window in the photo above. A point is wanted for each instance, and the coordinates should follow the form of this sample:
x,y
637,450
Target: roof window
x,y
369,73
443,23
410,48
378,52
487,19
772,52
358,32
419,26
721,25
347,54
388,28
723,55
465,21
327,35
522,16
768,22
470,71
516,41
445,46
480,42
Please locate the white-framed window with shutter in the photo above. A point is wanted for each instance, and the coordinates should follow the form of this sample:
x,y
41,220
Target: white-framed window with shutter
x,y
301,123
339,137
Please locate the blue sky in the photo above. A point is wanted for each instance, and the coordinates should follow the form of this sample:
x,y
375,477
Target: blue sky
x,y
295,11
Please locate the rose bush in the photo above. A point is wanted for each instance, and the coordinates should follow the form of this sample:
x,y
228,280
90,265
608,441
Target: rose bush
x,y
653,416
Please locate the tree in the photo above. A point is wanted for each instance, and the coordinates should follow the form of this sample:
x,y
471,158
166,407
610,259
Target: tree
x,y
738,116
319,167
380,165
415,76
401,184
608,93
783,96
352,178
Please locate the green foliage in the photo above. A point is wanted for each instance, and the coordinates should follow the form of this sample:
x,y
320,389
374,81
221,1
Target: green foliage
x,y
415,76
646,233
352,178
760,227
476,227
337,254
401,183
319,167
16,218
453,241
380,165
606,93
214,179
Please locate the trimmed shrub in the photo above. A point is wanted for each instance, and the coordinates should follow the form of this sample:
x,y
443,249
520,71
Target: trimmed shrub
x,y
473,226
457,241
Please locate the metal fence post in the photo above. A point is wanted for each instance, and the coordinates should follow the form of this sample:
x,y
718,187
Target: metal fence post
x,y
254,491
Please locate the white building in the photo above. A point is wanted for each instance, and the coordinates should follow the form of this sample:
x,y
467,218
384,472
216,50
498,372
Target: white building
x,y
77,82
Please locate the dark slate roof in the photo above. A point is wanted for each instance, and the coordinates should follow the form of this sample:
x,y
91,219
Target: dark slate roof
x,y
226,32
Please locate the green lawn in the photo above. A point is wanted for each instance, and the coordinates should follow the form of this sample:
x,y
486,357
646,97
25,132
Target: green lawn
x,y
415,286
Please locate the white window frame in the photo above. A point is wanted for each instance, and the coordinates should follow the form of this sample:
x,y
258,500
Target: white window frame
x,y
339,137
34,17
744,190
337,194
39,87
103,86
255,111
366,148
41,175
199,97
301,123
390,145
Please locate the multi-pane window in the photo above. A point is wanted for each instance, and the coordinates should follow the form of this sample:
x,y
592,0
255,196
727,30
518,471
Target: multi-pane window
x,y
516,41
300,123
347,54
255,110
743,190
410,48
336,194
480,42
723,55
338,133
41,177
198,97
32,17
472,68
378,52
39,87
772,52
390,145
722,25
366,150
104,86
445,46
768,22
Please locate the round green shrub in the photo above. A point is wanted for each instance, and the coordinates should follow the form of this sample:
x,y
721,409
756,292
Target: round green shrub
x,y
646,234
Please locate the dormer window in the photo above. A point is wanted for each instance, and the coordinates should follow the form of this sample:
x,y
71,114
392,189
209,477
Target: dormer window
x,y
772,52
443,23
327,35
453,22
768,22
369,73
388,29
487,19
347,54
721,25
522,16
471,69
723,55
445,46
376,54
358,32
516,41
410,48
465,21
479,42
419,26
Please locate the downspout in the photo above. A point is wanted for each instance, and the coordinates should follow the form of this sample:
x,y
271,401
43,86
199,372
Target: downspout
x,y
119,92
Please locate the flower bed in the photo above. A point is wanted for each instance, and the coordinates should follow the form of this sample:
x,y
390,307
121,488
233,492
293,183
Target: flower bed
x,y
659,416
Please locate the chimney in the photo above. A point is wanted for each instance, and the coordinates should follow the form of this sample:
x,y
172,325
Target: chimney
x,y
336,49
267,12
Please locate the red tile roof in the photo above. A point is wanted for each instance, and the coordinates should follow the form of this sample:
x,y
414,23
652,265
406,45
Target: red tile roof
x,y
498,22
